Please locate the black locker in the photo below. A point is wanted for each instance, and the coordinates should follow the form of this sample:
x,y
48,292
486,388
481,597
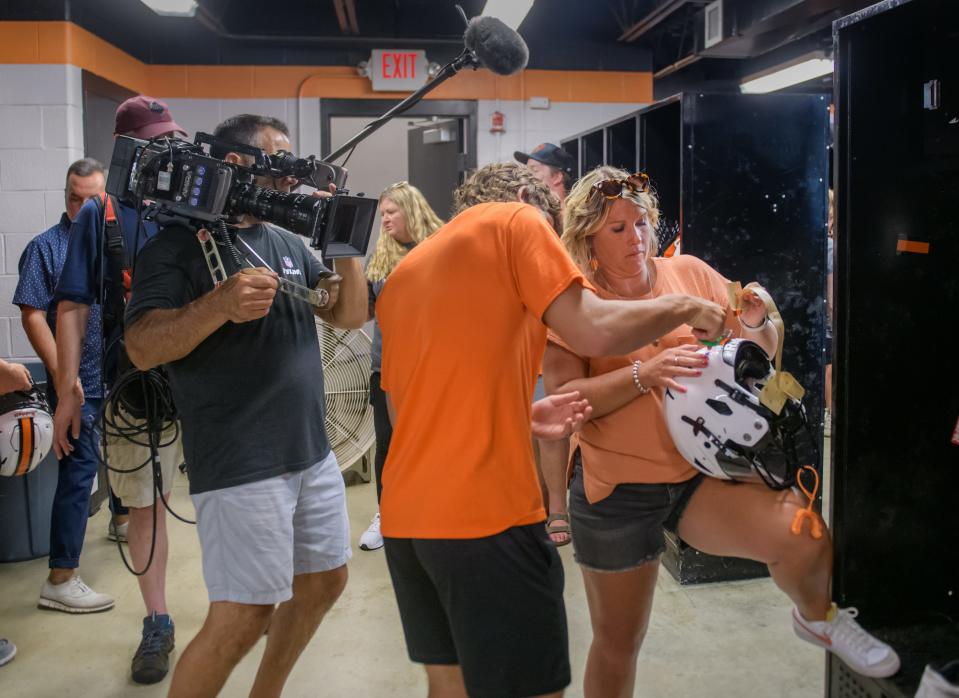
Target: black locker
x,y
895,447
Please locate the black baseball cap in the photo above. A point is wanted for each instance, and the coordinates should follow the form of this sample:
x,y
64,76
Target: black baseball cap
x,y
549,154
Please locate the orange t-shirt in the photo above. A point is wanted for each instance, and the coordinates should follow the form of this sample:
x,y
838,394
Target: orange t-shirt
x,y
463,339
632,444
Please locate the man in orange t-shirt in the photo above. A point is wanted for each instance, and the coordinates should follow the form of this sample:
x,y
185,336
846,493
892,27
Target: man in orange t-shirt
x,y
464,318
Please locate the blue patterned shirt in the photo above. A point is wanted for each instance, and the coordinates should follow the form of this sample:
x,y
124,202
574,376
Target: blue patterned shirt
x,y
40,267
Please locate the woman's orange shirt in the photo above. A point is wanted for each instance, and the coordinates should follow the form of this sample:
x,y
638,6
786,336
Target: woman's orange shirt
x,y
463,340
632,444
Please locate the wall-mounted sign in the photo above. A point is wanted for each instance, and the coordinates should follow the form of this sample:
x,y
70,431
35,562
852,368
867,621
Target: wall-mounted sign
x,y
397,70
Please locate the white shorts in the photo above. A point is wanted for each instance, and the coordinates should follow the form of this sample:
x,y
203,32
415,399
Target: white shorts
x,y
135,489
256,537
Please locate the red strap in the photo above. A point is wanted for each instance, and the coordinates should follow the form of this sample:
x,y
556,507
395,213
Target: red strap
x,y
108,212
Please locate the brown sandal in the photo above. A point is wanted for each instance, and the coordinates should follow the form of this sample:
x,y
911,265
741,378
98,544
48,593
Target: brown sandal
x,y
564,528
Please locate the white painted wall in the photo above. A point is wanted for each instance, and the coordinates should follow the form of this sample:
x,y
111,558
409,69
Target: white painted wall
x,y
526,128
41,133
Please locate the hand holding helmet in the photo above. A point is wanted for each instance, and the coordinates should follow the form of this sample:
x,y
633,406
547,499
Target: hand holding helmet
x,y
663,369
14,377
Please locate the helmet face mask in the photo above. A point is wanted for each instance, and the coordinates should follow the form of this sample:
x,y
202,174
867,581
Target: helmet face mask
x,y
722,429
26,432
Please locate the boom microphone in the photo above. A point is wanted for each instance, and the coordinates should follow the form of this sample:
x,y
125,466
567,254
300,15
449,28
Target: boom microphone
x,y
498,48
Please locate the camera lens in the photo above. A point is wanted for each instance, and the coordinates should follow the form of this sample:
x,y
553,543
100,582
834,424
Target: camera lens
x,y
296,212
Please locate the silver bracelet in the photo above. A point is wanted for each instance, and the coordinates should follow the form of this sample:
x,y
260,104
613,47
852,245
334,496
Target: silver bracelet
x,y
639,386
757,327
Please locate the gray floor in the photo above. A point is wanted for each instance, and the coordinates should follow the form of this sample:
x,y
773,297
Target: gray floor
x,y
723,640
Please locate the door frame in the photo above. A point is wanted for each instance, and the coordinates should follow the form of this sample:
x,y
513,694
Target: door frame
x,y
464,109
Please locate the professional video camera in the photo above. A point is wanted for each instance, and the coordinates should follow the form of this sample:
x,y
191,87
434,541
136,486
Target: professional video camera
x,y
186,183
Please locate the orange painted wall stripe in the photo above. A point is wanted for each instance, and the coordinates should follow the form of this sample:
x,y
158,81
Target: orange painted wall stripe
x,y
67,43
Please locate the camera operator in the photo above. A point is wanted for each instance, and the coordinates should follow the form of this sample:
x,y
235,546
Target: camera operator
x,y
77,291
247,375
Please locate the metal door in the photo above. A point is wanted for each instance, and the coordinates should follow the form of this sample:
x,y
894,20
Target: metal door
x,y
437,162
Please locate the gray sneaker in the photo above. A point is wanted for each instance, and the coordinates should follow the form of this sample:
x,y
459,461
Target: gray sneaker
x,y
152,659
73,596
8,651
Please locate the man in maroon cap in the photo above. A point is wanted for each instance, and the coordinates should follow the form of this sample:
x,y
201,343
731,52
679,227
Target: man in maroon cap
x,y
87,280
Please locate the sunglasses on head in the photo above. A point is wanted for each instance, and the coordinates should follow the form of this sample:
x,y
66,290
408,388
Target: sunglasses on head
x,y
613,188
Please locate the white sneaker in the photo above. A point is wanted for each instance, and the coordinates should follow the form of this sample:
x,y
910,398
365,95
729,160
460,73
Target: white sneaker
x,y
117,532
844,637
73,596
372,539
940,681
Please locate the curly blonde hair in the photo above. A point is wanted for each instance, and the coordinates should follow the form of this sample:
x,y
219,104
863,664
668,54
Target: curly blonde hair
x,y
421,222
506,181
586,211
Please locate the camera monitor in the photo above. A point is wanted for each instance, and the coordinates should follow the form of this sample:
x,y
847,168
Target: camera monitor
x,y
349,224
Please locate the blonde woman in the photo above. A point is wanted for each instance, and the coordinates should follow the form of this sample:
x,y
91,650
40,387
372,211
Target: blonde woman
x,y
629,481
405,220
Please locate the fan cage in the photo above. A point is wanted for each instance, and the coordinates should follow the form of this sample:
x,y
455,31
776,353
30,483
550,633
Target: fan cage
x,y
346,375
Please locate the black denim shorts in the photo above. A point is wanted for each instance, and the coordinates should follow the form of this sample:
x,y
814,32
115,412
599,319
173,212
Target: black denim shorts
x,y
625,530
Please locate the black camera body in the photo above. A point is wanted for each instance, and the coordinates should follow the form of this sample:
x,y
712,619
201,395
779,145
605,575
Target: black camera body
x,y
185,181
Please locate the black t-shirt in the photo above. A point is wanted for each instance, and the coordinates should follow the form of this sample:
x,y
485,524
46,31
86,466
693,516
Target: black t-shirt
x,y
250,396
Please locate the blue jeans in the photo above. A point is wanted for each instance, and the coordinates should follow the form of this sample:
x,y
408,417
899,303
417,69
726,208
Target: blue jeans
x,y
71,503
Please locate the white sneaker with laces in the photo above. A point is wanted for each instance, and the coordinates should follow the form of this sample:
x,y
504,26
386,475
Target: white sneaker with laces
x,y
845,638
372,539
73,596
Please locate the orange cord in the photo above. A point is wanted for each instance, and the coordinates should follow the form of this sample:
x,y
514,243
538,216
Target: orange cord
x,y
815,525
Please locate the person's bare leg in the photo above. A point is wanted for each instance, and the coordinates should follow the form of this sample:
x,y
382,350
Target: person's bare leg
x,y
445,681
554,462
619,608
139,540
228,633
293,625
753,521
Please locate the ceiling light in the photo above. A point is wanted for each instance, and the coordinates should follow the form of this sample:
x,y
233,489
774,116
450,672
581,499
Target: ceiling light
x,y
510,12
801,71
174,8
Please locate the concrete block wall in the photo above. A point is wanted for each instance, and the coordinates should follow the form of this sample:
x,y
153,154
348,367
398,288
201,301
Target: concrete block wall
x,y
41,133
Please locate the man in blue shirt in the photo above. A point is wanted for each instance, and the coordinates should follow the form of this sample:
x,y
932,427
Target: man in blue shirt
x,y
40,267
78,290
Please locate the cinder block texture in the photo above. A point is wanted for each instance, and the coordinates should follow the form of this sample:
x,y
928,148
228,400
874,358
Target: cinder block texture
x,y
34,169
21,127
21,212
40,84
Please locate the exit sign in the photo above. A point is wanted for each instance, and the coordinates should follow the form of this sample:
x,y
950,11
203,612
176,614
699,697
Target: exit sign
x,y
398,70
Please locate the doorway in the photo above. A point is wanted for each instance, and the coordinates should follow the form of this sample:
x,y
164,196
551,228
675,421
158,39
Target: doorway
x,y
432,146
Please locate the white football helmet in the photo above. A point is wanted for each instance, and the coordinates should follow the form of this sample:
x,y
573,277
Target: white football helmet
x,y
26,431
722,429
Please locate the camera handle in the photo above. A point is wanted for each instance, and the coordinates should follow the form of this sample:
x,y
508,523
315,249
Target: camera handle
x,y
467,59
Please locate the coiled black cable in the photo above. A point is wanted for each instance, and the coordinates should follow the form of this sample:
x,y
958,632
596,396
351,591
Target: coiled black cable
x,y
140,409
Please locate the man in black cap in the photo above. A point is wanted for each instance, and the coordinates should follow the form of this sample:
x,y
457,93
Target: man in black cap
x,y
551,165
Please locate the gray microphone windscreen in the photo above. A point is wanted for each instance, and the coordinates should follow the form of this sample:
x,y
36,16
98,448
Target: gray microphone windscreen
x,y
498,48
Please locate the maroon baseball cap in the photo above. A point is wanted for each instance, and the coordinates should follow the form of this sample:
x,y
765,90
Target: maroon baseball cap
x,y
145,117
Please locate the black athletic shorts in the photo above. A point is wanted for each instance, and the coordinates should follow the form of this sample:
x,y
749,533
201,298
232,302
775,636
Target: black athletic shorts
x,y
492,605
